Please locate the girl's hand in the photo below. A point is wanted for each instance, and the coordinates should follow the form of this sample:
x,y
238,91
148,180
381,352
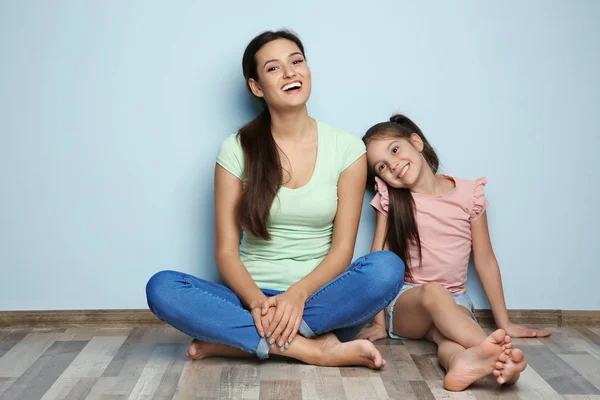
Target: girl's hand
x,y
520,331
286,322
373,333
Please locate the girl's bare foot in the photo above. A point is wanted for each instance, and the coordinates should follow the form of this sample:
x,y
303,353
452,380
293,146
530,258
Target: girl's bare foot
x,y
477,362
515,364
199,350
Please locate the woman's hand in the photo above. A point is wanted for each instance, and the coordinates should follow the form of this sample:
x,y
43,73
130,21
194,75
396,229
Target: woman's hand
x,y
288,316
262,321
520,331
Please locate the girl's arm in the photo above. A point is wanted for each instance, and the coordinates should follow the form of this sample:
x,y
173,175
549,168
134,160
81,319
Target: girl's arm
x,y
489,274
377,329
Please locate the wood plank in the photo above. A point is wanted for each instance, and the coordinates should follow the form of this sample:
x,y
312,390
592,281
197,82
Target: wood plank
x,y
152,374
200,378
321,383
280,389
531,386
145,318
23,354
95,357
89,333
70,388
420,347
400,365
240,379
280,370
121,375
557,373
421,389
488,389
429,367
10,337
586,365
168,384
440,393
581,318
5,383
405,390
42,374
79,318
364,388
533,318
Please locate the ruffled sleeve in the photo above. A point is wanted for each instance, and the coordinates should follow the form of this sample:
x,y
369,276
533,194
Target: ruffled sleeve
x,y
480,203
381,201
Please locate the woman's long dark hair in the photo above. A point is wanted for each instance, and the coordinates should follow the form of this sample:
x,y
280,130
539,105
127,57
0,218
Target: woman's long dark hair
x,y
402,230
261,167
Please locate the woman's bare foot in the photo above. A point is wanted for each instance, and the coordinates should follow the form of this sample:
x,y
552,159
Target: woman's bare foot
x,y
477,362
328,351
199,350
355,352
515,364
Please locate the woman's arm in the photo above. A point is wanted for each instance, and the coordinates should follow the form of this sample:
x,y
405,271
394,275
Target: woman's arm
x,y
228,190
351,191
489,274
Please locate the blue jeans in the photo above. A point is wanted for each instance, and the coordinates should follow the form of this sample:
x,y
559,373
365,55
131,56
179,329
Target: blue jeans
x,y
213,313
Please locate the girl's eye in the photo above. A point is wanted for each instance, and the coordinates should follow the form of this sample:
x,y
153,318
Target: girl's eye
x,y
271,69
381,167
394,150
298,61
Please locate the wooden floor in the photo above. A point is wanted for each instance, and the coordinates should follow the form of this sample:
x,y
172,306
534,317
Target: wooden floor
x,y
149,363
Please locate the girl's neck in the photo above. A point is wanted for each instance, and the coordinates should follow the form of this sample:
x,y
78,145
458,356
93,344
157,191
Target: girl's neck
x,y
291,125
429,183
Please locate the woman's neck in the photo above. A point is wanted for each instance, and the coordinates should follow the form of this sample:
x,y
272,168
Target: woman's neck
x,y
291,125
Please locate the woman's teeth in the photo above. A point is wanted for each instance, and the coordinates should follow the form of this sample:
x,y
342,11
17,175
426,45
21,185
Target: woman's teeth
x,y
291,86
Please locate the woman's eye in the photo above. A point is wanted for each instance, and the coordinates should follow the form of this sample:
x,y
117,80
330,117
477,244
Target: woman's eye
x,y
271,69
394,150
297,61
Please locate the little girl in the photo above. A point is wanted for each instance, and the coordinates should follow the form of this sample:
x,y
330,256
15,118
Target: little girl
x,y
432,221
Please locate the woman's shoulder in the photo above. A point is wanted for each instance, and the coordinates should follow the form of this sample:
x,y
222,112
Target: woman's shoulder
x,y
231,155
337,134
342,147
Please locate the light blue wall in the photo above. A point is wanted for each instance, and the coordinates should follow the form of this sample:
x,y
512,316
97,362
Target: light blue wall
x,y
111,114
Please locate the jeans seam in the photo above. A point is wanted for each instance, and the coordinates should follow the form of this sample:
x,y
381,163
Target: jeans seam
x,y
214,296
363,319
359,263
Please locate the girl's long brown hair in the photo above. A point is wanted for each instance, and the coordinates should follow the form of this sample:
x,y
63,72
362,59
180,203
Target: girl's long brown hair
x,y
262,167
402,230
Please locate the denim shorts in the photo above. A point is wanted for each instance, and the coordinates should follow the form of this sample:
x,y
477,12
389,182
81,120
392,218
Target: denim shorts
x,y
462,299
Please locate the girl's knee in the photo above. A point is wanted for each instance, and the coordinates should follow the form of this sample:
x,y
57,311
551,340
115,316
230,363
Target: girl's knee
x,y
434,294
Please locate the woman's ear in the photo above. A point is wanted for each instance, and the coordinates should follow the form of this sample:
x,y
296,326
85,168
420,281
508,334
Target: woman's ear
x,y
255,88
